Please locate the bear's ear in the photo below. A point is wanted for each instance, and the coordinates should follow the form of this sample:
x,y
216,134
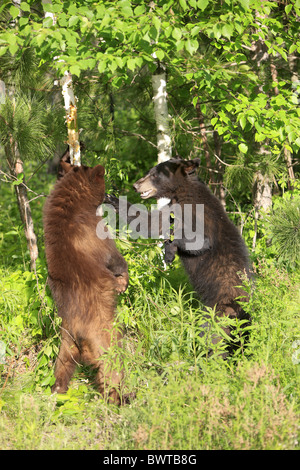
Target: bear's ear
x,y
65,167
190,166
98,172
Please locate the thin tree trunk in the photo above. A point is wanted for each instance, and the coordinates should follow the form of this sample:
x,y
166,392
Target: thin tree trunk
x,y
262,199
164,146
26,217
262,189
70,103
71,118
16,169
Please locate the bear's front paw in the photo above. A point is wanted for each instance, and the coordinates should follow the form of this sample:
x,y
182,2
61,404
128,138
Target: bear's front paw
x,y
121,283
170,251
112,200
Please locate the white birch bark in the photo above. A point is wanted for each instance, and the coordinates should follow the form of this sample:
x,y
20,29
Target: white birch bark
x,y
70,106
159,85
164,146
71,118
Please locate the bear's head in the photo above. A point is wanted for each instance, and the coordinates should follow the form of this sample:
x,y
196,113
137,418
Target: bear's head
x,y
164,179
86,177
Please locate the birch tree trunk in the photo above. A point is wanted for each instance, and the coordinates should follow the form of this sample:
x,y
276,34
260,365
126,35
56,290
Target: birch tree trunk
x,y
262,199
159,85
70,102
262,189
71,118
164,146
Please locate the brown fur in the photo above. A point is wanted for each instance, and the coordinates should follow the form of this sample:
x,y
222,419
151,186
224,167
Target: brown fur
x,y
85,275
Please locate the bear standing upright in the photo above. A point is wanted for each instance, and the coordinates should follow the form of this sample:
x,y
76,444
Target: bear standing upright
x,y
85,275
215,267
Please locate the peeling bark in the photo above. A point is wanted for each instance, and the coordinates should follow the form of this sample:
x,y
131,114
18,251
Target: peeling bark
x,y
71,118
70,106
262,192
164,146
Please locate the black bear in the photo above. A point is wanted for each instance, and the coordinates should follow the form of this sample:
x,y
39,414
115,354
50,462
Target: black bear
x,y
85,274
215,265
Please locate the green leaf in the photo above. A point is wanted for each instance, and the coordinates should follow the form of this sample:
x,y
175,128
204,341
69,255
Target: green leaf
x,y
14,11
297,142
23,20
13,48
288,8
176,34
119,61
251,119
245,4
126,8
191,45
131,64
19,180
75,70
202,4
3,50
217,30
180,45
160,54
227,30
243,122
195,30
73,20
139,10
243,148
102,66
183,4
24,6
48,22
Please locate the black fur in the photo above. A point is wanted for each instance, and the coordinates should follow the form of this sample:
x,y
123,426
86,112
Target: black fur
x,y
216,269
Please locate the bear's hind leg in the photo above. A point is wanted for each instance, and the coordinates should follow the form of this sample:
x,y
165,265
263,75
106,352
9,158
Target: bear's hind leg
x,y
66,362
101,353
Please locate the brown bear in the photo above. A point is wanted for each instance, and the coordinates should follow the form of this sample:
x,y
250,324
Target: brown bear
x,y
85,275
215,267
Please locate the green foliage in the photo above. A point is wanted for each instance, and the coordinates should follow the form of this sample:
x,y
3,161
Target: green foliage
x,y
283,226
26,120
